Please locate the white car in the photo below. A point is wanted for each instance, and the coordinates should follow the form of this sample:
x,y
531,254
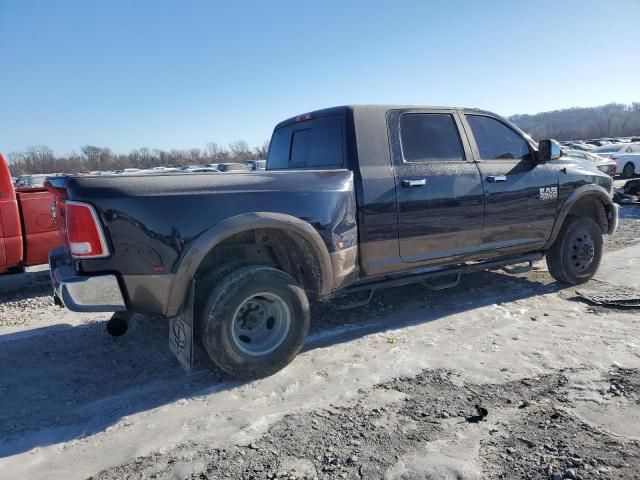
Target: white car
x,y
605,165
626,156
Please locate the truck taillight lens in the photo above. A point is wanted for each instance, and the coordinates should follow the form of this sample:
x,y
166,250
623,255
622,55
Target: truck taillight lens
x,y
84,233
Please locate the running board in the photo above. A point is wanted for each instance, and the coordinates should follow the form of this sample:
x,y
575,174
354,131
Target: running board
x,y
433,272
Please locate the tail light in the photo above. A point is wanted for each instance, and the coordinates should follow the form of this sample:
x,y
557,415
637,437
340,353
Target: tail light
x,y
84,233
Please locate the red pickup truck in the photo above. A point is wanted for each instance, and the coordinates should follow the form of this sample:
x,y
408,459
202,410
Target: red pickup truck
x,y
27,227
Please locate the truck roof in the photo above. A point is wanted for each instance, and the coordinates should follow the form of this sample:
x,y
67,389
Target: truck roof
x,y
368,109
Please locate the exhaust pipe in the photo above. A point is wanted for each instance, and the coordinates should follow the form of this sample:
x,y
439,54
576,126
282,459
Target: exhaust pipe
x,y
118,324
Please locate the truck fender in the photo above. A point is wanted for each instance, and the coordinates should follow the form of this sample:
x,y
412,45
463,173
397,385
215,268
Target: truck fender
x,y
194,256
595,191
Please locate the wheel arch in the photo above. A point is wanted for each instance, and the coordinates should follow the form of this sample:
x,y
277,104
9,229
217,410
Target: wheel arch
x,y
306,241
589,200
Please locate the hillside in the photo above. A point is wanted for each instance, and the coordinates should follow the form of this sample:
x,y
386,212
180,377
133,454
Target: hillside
x,y
612,120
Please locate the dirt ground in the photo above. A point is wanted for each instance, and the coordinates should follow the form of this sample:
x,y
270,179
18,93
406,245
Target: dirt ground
x,y
505,376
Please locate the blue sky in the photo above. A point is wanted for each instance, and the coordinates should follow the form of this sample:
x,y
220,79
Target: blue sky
x,y
172,74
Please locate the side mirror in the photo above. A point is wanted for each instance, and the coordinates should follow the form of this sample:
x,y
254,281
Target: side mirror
x,y
548,150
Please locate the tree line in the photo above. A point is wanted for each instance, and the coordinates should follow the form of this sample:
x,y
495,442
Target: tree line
x,y
41,159
612,120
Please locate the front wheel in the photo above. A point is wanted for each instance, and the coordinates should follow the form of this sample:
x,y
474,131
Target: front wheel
x,y
254,321
575,256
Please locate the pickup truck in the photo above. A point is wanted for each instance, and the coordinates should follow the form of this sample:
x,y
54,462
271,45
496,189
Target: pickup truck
x,y
27,229
354,199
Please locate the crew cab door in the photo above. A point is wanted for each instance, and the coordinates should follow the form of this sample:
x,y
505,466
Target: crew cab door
x,y
438,186
520,195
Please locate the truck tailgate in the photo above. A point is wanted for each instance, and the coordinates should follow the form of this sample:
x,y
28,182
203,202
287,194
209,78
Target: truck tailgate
x,y
39,228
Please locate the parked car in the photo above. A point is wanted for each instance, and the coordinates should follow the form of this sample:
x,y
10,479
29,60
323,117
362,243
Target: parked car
x,y
33,181
599,143
27,228
626,156
232,167
585,147
354,199
256,165
605,165
202,169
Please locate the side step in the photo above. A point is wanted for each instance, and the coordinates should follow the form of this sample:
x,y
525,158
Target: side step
x,y
432,273
518,269
443,285
358,303
425,283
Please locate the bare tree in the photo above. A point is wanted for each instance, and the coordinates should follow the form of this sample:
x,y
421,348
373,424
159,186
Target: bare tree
x,y
41,159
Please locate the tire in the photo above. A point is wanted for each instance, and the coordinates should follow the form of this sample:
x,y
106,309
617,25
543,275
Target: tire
x,y
628,170
575,256
254,322
206,284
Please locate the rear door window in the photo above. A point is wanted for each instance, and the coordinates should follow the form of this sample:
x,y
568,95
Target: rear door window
x,y
316,143
430,137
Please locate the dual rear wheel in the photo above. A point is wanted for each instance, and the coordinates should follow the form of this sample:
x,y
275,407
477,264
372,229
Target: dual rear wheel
x,y
253,319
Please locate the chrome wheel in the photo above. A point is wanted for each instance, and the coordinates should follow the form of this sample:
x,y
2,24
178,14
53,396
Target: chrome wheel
x,y
583,252
261,324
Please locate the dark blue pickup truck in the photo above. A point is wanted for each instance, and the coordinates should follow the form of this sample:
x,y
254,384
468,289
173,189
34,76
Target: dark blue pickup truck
x,y
354,198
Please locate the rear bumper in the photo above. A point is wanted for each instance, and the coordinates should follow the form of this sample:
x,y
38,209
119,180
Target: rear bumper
x,y
79,293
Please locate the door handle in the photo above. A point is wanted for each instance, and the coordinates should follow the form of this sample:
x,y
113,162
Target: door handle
x,y
414,183
497,178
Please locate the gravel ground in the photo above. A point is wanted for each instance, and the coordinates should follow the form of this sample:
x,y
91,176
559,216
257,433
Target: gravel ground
x,y
526,428
628,229
24,296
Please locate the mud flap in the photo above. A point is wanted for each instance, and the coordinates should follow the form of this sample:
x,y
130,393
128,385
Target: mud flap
x,y
181,333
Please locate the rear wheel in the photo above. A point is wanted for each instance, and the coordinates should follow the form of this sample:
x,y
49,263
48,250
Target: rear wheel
x,y
575,256
254,322
628,170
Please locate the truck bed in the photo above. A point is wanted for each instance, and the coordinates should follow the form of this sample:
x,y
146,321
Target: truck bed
x,y
153,222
